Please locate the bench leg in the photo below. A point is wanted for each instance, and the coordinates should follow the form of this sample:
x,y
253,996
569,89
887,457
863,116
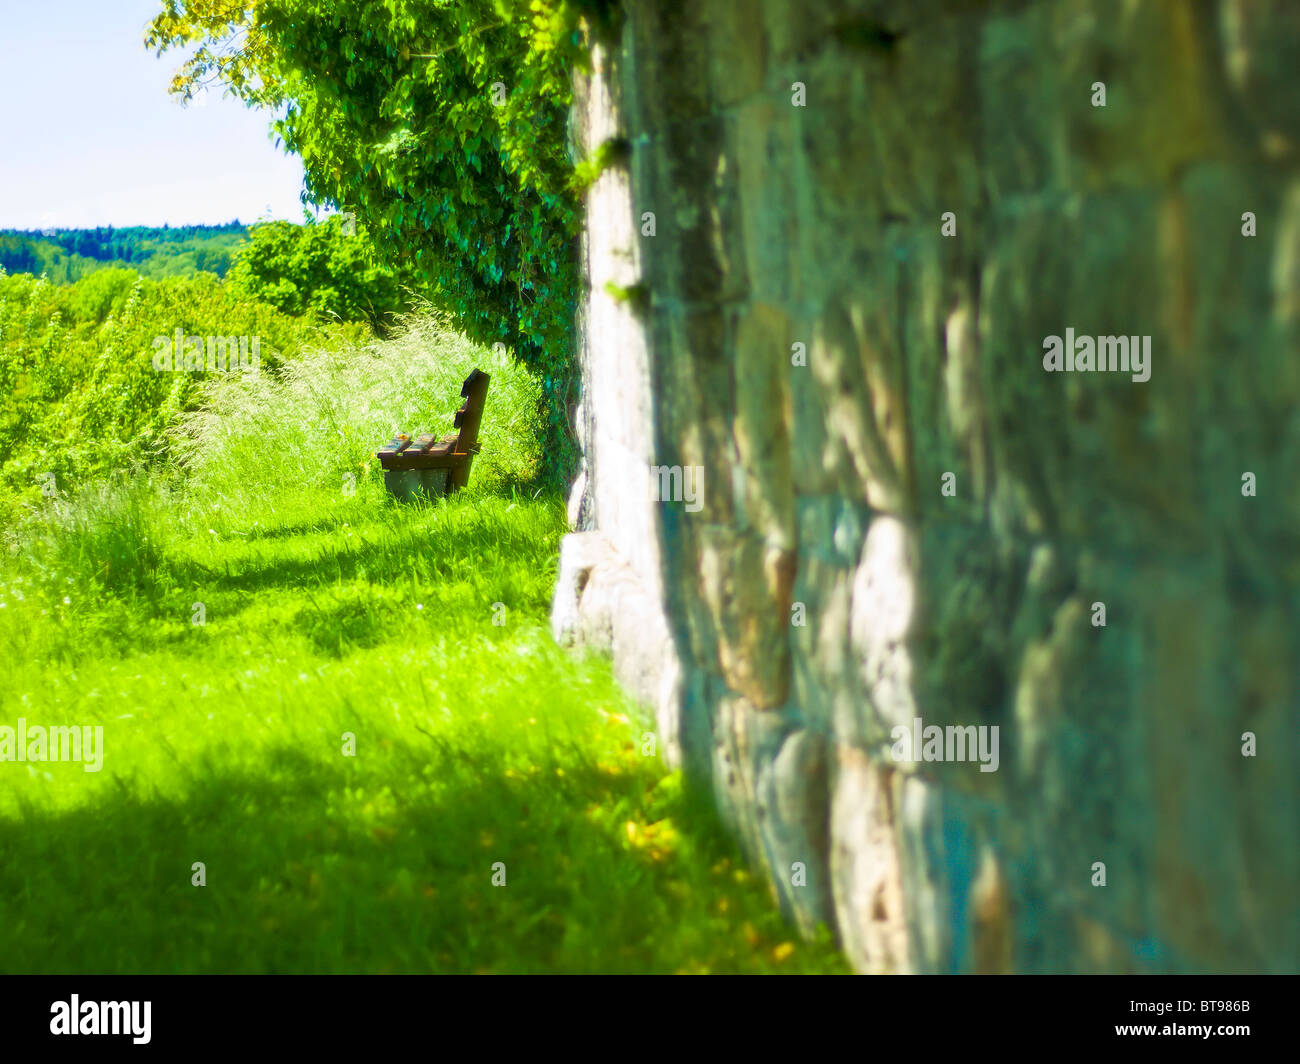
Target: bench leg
x,y
459,475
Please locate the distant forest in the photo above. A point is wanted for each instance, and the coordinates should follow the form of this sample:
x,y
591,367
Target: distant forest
x,y
67,255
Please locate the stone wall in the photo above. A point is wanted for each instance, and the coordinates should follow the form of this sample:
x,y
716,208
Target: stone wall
x,y
828,588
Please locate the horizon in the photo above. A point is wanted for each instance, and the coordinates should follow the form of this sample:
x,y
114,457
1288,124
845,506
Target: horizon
x,y
50,229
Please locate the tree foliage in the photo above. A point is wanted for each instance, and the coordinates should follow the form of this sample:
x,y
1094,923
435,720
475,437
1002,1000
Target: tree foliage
x,y
442,124
325,269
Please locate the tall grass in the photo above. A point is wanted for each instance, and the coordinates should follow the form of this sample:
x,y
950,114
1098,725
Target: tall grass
x,y
102,534
320,419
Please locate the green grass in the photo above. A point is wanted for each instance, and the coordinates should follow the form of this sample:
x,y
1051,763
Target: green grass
x,y
327,615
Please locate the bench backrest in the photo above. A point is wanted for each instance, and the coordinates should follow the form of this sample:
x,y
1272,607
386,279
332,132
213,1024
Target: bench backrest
x,y
470,413
467,420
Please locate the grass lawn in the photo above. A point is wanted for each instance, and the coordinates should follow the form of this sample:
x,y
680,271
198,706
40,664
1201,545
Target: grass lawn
x,y
419,631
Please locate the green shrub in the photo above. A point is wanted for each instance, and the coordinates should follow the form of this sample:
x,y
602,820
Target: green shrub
x,y
317,269
79,394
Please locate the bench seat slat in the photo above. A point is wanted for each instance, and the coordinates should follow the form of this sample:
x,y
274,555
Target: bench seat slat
x,y
435,458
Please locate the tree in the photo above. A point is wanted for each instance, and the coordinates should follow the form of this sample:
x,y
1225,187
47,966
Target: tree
x,y
316,269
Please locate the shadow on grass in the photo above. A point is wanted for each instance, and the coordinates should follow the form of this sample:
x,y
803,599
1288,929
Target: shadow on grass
x,y
312,868
376,552
381,505
369,580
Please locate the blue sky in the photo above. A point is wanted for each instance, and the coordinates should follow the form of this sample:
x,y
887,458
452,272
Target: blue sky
x,y
89,135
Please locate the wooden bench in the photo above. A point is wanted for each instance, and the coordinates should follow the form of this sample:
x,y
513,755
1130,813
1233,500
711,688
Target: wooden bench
x,y
434,467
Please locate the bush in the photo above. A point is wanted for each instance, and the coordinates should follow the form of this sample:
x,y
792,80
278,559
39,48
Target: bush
x,y
81,396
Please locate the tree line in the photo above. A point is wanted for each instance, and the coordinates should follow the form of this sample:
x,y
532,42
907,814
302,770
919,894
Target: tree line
x,y
67,255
